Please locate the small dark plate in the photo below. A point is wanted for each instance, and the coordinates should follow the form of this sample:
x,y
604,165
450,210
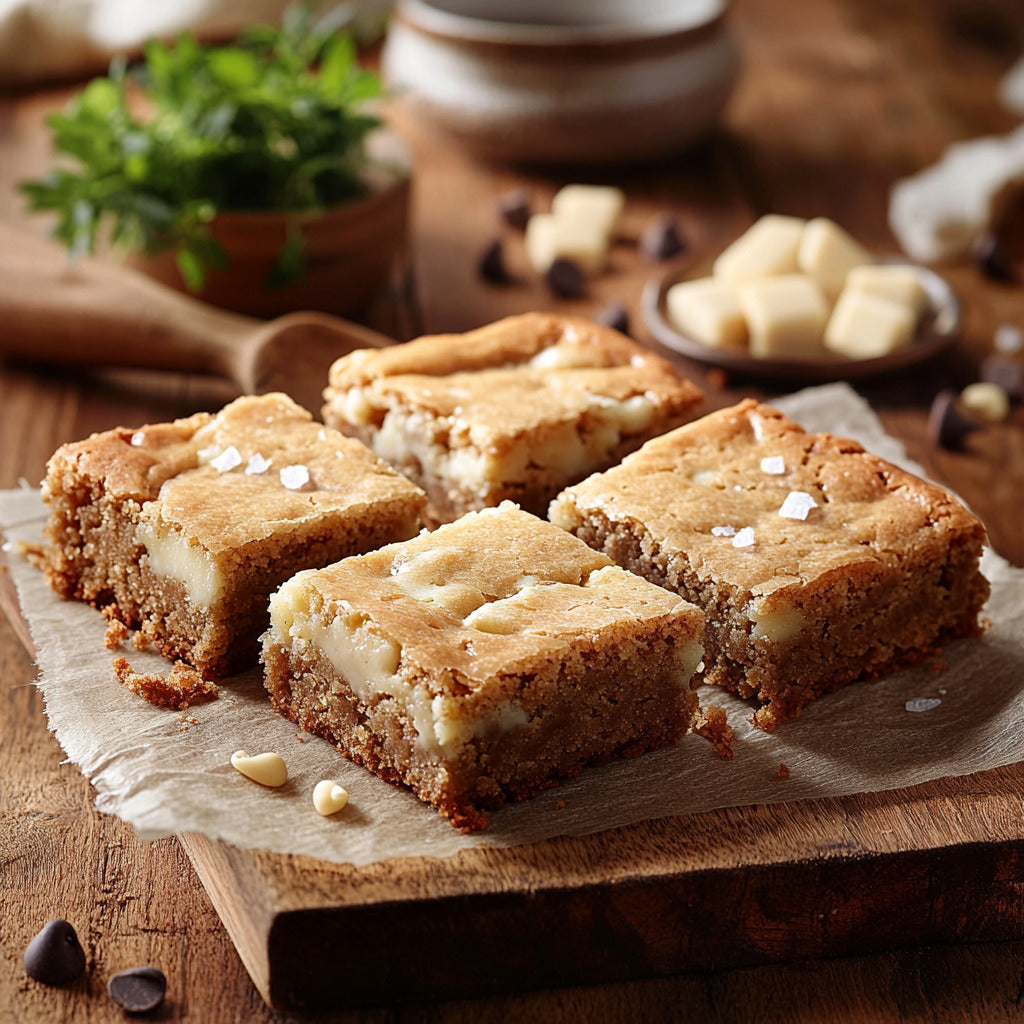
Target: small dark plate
x,y
940,324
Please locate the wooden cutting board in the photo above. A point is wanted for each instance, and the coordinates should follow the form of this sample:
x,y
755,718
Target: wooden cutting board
x,y
936,863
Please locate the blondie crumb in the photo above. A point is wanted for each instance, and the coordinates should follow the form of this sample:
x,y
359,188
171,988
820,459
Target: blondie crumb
x,y
711,723
182,687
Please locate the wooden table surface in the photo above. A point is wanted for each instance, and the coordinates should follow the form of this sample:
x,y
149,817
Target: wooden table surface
x,y
839,98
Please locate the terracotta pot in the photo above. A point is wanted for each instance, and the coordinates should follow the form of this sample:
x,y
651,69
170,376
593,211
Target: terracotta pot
x,y
350,249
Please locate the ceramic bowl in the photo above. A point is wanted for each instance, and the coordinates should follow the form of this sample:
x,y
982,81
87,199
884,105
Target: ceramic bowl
x,y
570,81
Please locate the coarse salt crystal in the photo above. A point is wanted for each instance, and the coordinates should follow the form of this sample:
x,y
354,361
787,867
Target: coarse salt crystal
x,y
797,505
321,434
207,455
773,464
723,531
744,539
228,460
923,704
138,438
294,477
257,465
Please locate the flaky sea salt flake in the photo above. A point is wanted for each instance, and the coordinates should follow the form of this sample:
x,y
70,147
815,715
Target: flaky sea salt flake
x,y
228,460
797,505
257,465
723,531
774,465
745,538
138,438
923,704
294,477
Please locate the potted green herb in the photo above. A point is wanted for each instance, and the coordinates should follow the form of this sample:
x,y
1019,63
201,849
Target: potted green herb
x,y
250,173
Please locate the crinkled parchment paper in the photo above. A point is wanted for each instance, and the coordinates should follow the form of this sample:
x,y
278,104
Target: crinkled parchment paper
x,y
167,776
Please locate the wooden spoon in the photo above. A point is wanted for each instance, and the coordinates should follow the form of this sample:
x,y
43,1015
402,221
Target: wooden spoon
x,y
93,313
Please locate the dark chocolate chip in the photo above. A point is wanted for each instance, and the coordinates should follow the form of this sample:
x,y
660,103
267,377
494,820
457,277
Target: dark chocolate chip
x,y
1007,372
614,315
139,989
662,239
565,278
514,208
491,265
55,956
993,260
947,423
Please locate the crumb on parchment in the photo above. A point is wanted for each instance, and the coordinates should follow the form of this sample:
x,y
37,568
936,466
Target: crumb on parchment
x,y
712,723
177,690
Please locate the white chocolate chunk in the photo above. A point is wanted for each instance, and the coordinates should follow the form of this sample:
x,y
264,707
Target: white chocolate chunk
x,y
599,205
865,326
767,248
786,316
329,797
267,769
548,238
986,400
892,282
828,254
708,310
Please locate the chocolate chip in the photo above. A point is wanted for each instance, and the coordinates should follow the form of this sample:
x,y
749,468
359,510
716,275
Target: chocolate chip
x,y
565,278
55,956
662,239
993,260
947,424
491,265
139,989
514,208
614,315
1007,372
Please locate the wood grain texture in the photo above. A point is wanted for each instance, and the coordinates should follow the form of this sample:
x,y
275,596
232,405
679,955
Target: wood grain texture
x,y
741,915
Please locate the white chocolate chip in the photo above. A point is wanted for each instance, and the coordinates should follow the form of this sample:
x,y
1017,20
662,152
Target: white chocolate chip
x,y
774,465
329,797
267,769
987,401
257,465
744,539
228,460
797,505
295,478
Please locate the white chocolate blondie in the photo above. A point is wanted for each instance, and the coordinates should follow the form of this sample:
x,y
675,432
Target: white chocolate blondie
x,y
484,661
513,411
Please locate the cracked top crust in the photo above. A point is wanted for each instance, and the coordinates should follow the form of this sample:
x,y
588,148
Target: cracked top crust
x,y
226,507
496,593
511,376
695,489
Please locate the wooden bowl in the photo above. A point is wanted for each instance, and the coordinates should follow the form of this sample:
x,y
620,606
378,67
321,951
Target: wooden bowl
x,y
577,81
350,249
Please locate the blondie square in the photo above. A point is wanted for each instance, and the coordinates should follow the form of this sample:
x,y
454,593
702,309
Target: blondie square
x,y
513,411
182,529
816,562
482,662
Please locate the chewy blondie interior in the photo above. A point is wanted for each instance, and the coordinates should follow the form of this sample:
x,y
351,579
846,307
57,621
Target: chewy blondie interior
x,y
182,529
482,662
513,411
815,562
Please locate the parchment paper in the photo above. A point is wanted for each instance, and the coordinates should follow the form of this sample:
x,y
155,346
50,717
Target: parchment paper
x,y
167,776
